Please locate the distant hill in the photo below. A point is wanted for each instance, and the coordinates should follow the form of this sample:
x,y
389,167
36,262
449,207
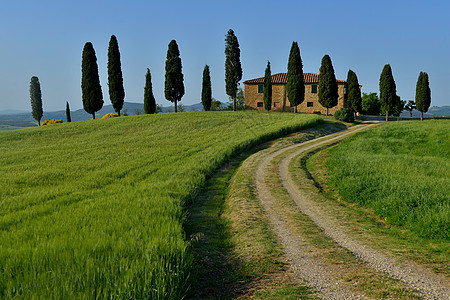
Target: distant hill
x,y
434,111
16,118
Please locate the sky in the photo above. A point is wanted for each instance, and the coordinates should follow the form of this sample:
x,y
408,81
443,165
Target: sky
x,y
46,38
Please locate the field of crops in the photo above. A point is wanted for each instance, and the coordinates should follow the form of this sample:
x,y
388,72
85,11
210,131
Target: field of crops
x,y
402,171
95,209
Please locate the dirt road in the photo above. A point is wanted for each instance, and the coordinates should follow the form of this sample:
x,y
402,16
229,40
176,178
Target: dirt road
x,y
305,260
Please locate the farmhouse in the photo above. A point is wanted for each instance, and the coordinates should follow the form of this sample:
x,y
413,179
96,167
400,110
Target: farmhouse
x,y
254,94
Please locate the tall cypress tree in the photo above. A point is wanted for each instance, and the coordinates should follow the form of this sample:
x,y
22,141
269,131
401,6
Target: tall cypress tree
x,y
328,88
90,82
206,89
388,90
149,99
36,99
354,101
174,87
69,119
233,69
268,88
295,83
423,94
115,79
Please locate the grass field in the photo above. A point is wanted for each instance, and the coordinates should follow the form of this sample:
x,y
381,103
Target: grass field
x,y
402,171
96,209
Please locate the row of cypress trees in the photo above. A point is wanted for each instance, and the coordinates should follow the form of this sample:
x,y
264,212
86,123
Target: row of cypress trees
x,y
90,82
233,72
92,96
328,88
173,87
388,92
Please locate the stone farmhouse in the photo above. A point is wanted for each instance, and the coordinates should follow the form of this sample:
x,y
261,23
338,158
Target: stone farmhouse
x,y
254,94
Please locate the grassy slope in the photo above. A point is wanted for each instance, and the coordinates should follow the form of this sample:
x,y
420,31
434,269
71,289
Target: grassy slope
x,y
402,171
95,209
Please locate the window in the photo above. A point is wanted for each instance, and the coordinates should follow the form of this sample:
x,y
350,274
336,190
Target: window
x,y
260,88
314,89
259,104
275,104
309,104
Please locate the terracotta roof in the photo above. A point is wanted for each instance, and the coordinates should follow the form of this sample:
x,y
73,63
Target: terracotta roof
x,y
281,78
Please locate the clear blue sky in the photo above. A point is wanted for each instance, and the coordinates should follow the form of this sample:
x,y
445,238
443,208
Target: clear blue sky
x,y
46,38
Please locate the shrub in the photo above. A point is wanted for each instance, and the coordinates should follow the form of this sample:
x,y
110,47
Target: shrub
x,y
345,115
110,115
51,121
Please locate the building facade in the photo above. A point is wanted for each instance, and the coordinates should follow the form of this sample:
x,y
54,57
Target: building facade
x,y
254,94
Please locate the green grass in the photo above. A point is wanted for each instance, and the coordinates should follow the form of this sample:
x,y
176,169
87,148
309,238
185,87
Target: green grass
x,y
402,171
95,209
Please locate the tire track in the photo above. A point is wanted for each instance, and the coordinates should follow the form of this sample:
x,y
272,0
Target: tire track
x,y
310,268
430,285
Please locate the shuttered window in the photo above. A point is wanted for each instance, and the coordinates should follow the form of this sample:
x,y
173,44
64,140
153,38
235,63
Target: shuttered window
x,y
260,88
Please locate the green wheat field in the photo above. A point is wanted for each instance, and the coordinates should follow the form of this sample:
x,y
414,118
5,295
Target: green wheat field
x,y
95,209
402,171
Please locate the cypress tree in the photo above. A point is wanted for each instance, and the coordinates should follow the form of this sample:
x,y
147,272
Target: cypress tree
x,y
423,94
90,82
115,79
36,99
174,87
149,99
328,88
295,83
354,101
206,89
69,119
388,90
268,88
233,69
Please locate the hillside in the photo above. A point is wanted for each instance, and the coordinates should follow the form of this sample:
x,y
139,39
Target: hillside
x,y
17,119
95,209
434,111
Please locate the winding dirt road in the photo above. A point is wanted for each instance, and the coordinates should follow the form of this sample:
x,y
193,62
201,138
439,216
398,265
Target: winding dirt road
x,y
318,275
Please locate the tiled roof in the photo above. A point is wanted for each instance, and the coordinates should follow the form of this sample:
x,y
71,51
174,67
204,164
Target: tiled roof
x,y
281,78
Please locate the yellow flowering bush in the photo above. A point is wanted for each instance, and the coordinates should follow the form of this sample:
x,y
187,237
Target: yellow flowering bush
x,y
52,121
110,115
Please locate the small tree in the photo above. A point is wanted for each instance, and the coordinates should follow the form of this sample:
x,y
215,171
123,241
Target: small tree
x,y
240,101
149,99
206,89
328,88
268,88
233,69
295,83
69,119
115,79
174,87
90,82
216,105
371,104
354,101
423,94
398,107
36,99
388,90
410,106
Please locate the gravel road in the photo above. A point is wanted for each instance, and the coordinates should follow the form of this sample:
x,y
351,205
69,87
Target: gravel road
x,y
302,259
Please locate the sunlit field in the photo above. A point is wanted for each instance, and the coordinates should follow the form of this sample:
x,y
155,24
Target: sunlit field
x,y
95,209
402,171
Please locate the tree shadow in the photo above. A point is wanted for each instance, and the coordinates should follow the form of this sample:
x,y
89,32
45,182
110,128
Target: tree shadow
x,y
214,264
